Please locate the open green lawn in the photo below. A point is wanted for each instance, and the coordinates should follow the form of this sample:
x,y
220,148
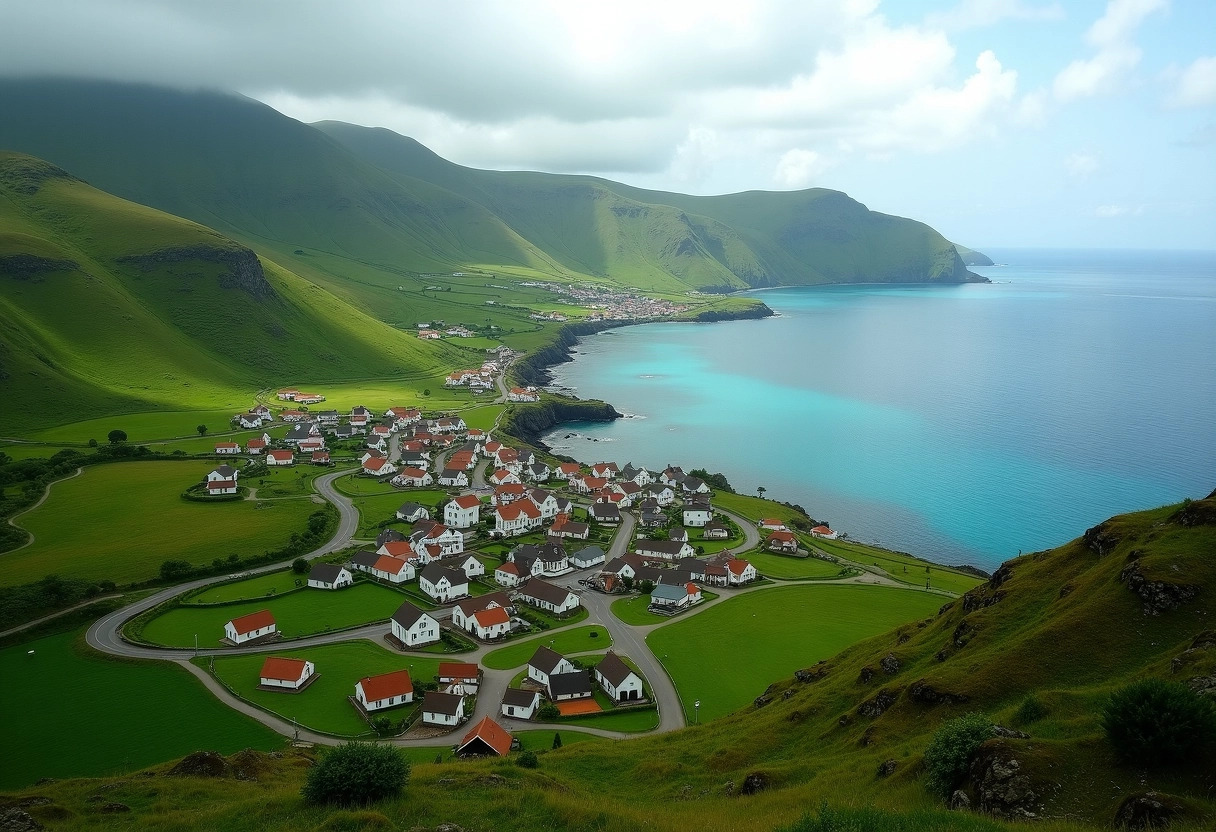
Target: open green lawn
x,y
629,720
481,417
754,508
901,567
143,427
323,706
86,715
726,655
35,450
375,509
255,588
542,740
121,521
379,395
296,481
358,485
575,640
634,611
785,566
298,614
216,433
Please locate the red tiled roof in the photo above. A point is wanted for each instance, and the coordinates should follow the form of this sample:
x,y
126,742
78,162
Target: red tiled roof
x,y
226,445
737,565
386,685
253,621
821,530
219,485
391,565
256,443
397,548
279,454
513,510
509,568
492,616
492,734
457,670
374,464
783,537
569,467
467,500
287,670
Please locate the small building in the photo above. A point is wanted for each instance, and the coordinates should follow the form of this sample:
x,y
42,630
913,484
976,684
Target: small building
x,y
285,674
454,478
227,448
507,575
280,457
329,576
248,627
443,584
665,549
445,709
520,703
487,739
566,686
256,446
413,627
216,488
460,673
378,467
824,532
463,612
411,477
606,513
546,596
563,526
675,596
784,542
772,524
715,530
388,690
618,679
462,512
697,514
320,457
739,571
491,623
412,513
588,557
545,663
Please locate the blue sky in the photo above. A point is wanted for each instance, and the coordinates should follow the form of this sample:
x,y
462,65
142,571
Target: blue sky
x,y
1061,123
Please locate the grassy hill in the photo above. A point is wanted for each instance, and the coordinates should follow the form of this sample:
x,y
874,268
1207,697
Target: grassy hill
x,y
1132,598
110,306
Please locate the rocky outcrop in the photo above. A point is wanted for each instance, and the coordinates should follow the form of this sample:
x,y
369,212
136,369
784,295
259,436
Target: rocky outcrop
x,y
243,269
1196,513
1101,539
1000,786
754,783
812,674
1157,596
924,693
202,764
751,313
886,768
529,422
878,704
1148,810
889,664
15,820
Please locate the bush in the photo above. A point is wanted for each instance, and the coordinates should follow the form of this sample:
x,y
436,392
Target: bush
x,y
116,436
548,711
1156,722
1031,710
557,740
357,774
527,760
949,752
299,566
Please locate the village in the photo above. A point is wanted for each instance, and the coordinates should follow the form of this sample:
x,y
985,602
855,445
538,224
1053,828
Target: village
x,y
519,543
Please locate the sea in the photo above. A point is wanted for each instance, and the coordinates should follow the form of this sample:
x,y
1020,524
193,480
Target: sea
x,y
964,424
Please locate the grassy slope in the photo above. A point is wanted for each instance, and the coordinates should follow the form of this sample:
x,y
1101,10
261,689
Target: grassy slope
x,y
121,522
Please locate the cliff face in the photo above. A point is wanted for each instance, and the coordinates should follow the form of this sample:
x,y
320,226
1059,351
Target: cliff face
x,y
243,269
529,422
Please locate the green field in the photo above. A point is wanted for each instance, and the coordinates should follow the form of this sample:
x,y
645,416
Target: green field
x,y
82,722
145,427
481,417
323,706
726,655
542,740
634,611
260,586
35,450
121,521
380,507
785,566
901,567
575,640
217,432
296,481
298,614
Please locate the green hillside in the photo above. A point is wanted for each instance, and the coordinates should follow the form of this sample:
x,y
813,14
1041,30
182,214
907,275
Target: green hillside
x,y
110,306
1061,629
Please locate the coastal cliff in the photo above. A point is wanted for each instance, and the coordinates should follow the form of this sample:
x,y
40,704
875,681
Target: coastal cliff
x,y
529,422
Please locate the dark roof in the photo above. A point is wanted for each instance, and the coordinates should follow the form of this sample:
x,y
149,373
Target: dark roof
x,y
565,684
602,511
589,553
365,558
225,471
545,660
435,571
326,572
452,473
614,566
410,508
389,536
472,606
679,576
544,591
519,697
613,669
441,703
407,615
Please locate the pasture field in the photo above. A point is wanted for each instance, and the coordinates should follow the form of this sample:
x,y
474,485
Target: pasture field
x,y
771,633
82,721
901,567
378,395
754,508
790,568
634,611
36,450
575,640
251,589
542,740
298,614
380,507
357,485
121,521
323,706
295,481
146,427
483,416
216,432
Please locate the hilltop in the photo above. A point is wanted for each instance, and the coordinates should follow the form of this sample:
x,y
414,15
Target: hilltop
x,y
1038,647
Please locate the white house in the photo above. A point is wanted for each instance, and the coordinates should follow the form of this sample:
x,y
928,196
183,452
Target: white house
x,y
277,457
249,420
378,467
618,679
442,584
576,685
248,627
520,394
388,690
491,623
216,487
546,502
517,518
520,703
824,532
228,448
329,576
462,512
675,596
285,674
507,575
412,513
446,709
223,473
546,596
466,562
454,478
385,567
412,478
466,609
545,663
697,515
501,476
739,571
465,674
663,494
413,627
665,549
588,557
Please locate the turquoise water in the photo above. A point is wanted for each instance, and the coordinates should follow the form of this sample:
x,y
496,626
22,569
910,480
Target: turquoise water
x,y
962,423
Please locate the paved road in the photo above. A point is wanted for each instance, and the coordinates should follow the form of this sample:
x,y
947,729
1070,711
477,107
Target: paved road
x,y
751,535
53,615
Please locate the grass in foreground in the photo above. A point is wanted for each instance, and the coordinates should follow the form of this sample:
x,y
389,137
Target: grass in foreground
x,y
791,568
323,705
901,567
121,521
301,613
726,655
576,640
251,589
635,611
80,718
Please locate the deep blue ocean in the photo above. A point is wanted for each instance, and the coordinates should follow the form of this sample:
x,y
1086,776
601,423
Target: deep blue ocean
x,y
960,423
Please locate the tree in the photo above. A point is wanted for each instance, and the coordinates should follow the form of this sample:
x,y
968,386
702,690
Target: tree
x,y
355,774
646,587
299,566
1155,722
760,489
717,481
548,711
175,570
949,752
92,443
557,740
426,391
202,430
117,436
527,760
627,580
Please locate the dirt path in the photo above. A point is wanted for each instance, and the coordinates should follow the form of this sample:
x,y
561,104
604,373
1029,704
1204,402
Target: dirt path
x,y
12,520
53,615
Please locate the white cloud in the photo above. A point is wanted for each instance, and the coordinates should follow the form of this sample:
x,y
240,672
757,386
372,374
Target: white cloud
x,y
1117,210
1081,164
1195,86
1115,53
798,168
972,14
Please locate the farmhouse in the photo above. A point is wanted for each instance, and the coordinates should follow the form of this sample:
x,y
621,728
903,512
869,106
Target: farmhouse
x,y
739,571
507,575
445,709
412,513
675,596
463,612
329,576
223,473
248,627
248,420
566,686
545,595
487,739
443,584
520,703
772,524
413,627
279,458
618,679
824,532
784,542
256,446
460,673
412,478
227,448
285,674
217,487
545,663
462,512
388,690
588,557
385,567
320,457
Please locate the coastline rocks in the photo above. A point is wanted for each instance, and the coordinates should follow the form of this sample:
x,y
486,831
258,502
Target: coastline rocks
x,y
1157,596
528,423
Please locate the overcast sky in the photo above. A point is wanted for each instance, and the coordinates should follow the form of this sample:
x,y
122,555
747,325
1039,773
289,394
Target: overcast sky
x,y
1075,123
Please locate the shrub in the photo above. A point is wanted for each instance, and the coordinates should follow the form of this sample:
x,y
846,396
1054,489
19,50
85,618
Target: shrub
x,y
299,566
357,773
116,436
1156,722
527,760
548,711
1031,710
949,752
557,740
